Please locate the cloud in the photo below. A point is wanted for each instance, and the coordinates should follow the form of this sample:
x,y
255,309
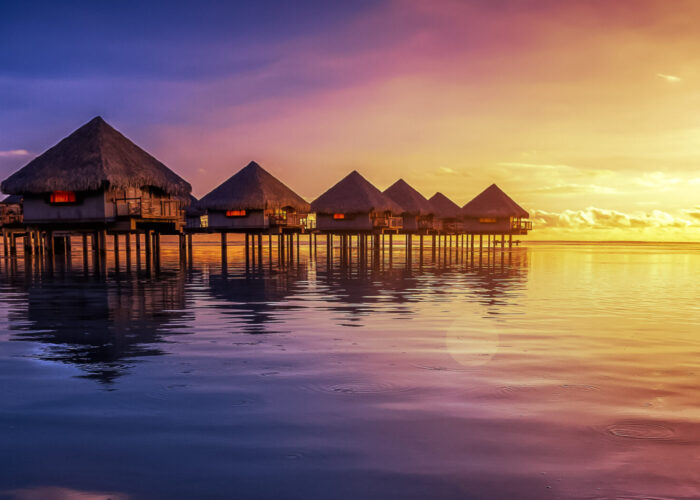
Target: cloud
x,y
657,180
693,212
669,78
567,189
14,153
447,170
599,219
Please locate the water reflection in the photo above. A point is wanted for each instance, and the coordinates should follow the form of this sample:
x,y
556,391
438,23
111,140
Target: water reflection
x,y
103,321
98,325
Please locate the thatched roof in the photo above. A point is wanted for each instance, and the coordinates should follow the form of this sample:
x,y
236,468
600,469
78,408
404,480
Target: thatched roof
x,y
443,207
410,200
493,202
354,194
252,188
13,199
93,157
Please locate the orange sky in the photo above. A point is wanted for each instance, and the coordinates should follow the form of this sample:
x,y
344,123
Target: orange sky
x,y
585,112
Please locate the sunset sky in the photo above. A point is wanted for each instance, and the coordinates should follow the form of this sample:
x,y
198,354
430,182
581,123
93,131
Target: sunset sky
x,y
586,113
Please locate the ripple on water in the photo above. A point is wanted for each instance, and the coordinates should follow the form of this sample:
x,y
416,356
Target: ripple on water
x,y
359,388
641,430
439,368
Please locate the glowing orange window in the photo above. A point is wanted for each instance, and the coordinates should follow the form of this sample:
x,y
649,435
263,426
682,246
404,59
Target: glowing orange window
x,y
63,197
338,216
235,213
487,220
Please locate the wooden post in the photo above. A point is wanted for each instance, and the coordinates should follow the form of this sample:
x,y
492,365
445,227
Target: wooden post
x,y
137,237
147,242
510,241
190,257
4,243
260,250
85,253
127,245
224,251
269,248
116,251
247,250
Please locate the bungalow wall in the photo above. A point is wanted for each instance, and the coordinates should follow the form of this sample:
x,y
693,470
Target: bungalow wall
x,y
102,206
254,219
88,207
351,222
487,225
415,223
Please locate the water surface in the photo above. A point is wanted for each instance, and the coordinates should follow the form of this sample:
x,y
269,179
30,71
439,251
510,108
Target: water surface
x,y
552,371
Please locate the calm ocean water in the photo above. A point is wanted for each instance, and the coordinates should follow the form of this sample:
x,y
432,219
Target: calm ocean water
x,y
552,371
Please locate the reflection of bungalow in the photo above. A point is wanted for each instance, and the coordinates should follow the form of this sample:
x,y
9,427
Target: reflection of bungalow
x,y
253,199
354,204
11,210
447,213
417,211
97,176
102,328
494,212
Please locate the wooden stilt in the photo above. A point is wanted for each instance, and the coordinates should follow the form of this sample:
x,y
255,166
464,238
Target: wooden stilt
x,y
224,251
190,257
116,252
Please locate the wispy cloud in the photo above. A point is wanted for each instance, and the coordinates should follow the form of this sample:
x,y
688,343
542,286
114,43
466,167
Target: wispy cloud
x,y
693,212
567,189
13,153
600,218
447,170
669,78
657,180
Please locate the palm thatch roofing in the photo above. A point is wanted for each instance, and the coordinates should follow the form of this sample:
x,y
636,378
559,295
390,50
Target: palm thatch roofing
x,y
13,199
252,188
354,194
493,202
410,200
94,157
443,207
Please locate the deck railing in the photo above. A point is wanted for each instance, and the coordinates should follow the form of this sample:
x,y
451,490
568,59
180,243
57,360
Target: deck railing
x,y
290,219
149,209
521,225
387,222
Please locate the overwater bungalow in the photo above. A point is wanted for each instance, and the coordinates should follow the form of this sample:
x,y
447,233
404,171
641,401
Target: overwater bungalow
x,y
447,213
195,217
11,211
417,211
254,200
494,212
355,205
98,180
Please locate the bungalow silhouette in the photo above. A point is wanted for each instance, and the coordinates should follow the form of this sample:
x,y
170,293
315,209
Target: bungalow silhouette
x,y
97,178
447,214
355,205
253,199
417,212
494,212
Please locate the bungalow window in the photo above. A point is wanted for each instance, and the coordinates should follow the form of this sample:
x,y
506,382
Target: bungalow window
x,y
338,216
236,213
59,197
487,220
